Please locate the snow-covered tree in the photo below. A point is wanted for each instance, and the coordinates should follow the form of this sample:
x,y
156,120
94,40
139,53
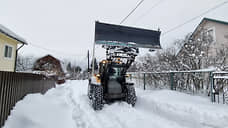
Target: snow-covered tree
x,y
25,63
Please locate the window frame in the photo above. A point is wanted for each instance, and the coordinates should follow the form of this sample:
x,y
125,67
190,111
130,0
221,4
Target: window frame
x,y
213,33
6,57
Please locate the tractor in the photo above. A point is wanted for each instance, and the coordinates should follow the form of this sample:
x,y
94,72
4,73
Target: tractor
x,y
122,45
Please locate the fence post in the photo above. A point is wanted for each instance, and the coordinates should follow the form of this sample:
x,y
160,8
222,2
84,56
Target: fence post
x,y
212,85
171,80
144,81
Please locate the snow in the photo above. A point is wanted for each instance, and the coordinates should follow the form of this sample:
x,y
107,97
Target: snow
x,y
6,31
220,77
67,106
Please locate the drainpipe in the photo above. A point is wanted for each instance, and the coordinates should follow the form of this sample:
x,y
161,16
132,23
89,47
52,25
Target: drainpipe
x,y
15,64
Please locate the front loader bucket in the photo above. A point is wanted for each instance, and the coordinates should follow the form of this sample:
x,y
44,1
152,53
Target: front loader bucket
x,y
116,35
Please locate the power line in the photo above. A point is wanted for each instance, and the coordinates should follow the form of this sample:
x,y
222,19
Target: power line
x,y
148,11
132,11
51,50
190,20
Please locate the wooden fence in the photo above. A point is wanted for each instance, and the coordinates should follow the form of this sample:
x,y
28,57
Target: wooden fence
x,y
14,86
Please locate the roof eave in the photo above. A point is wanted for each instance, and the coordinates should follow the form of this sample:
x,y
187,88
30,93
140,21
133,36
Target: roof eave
x,y
23,42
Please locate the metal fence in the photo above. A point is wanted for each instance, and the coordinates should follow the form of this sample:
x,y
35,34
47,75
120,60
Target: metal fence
x,y
14,86
188,81
219,87
207,83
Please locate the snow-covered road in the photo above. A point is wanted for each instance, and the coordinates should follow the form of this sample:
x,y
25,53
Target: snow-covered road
x,y
67,106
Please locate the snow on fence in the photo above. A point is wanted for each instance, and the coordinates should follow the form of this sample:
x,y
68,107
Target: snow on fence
x,y
14,86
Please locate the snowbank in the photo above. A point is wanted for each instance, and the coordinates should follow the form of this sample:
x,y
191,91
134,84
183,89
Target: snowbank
x,y
68,107
42,111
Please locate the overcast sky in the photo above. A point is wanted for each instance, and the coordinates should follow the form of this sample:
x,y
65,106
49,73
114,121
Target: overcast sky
x,y
66,27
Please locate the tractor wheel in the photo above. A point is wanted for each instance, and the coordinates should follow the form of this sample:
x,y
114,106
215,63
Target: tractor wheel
x,y
130,95
97,97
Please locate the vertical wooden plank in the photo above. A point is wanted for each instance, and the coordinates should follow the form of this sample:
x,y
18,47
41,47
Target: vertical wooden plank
x,y
7,96
10,88
17,87
14,93
21,87
1,98
25,90
43,86
5,93
14,85
30,87
7,107
24,86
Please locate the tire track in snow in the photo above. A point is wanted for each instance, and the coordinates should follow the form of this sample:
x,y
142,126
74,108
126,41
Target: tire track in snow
x,y
99,119
116,115
113,120
86,117
78,114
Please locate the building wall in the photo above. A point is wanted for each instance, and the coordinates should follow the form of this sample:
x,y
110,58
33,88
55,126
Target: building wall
x,y
221,31
7,64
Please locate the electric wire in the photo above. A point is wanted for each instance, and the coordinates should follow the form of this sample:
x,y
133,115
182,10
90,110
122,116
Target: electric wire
x,y
170,30
52,50
148,11
132,11
192,19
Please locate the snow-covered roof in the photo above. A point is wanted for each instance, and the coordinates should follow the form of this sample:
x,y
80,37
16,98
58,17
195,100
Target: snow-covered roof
x,y
11,34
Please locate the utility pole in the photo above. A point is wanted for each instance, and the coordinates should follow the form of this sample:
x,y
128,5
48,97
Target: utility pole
x,y
88,60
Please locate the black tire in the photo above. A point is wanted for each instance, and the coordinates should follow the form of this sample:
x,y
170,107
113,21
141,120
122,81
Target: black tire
x,y
97,98
130,95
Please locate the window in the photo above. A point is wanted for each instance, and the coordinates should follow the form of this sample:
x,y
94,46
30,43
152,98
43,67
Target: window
x,y
8,51
211,33
115,72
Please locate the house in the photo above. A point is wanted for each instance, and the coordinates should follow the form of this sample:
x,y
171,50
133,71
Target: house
x,y
217,29
51,67
206,46
9,42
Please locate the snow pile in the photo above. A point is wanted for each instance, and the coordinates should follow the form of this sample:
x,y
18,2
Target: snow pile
x,y
68,107
42,111
186,110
